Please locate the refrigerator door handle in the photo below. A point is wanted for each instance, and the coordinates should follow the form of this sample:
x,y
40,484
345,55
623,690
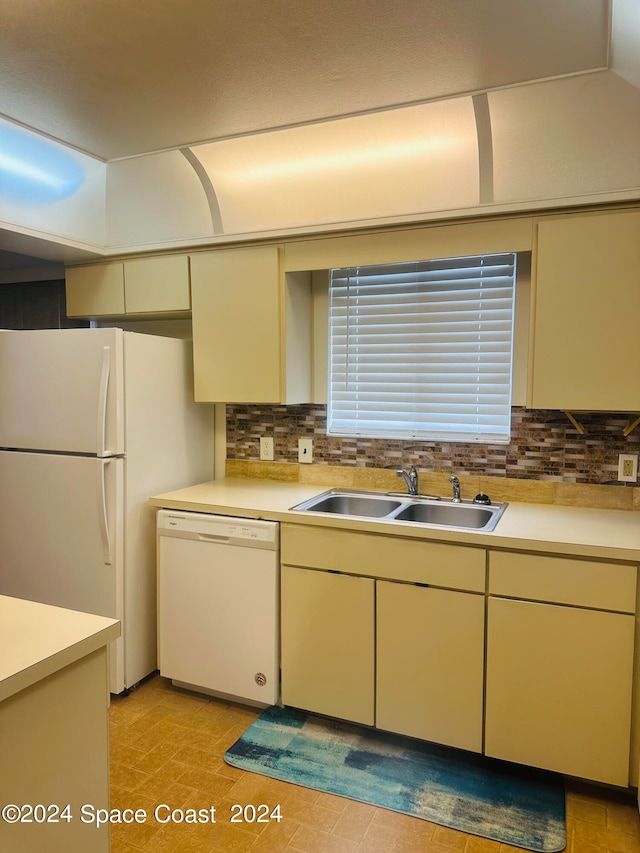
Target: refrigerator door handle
x,y
102,510
102,401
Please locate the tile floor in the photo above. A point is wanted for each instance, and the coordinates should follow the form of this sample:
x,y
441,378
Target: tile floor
x,y
167,746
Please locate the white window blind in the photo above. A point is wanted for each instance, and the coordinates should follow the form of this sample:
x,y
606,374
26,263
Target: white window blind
x,y
423,349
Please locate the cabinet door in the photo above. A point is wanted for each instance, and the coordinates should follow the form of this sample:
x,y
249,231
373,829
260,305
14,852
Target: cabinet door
x,y
559,688
430,650
237,326
54,742
95,291
587,281
327,656
155,285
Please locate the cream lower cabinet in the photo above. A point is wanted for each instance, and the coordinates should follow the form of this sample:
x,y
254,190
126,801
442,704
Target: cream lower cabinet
x,y
327,657
363,640
54,751
559,675
422,648
430,663
390,631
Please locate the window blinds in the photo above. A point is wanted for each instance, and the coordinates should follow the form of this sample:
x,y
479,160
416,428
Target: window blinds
x,y
423,349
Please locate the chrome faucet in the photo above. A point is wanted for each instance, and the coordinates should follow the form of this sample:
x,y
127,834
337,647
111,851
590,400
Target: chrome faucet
x,y
411,479
456,489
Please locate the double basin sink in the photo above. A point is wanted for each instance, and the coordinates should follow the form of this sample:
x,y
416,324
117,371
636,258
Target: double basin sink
x,y
409,508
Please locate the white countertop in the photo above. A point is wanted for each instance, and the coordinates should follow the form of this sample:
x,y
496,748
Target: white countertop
x,y
598,533
37,640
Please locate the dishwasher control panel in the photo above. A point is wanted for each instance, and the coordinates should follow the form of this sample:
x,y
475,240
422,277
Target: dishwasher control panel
x,y
219,528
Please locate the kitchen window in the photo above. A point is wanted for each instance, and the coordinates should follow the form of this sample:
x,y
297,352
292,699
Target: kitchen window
x,y
422,350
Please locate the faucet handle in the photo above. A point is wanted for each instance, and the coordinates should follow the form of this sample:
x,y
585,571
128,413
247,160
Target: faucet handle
x,y
411,479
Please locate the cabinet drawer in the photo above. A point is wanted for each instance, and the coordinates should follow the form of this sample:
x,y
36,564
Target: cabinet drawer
x,y
430,663
383,556
585,583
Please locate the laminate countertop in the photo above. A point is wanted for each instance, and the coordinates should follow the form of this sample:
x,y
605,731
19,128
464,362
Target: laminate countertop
x,y
596,533
39,639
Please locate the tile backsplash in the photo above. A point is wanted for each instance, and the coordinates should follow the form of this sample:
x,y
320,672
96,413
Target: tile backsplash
x,y
544,445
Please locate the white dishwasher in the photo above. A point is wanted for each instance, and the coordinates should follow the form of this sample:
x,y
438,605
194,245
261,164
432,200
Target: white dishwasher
x,y
218,604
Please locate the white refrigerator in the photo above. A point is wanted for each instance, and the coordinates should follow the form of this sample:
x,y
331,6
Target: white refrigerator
x,y
92,423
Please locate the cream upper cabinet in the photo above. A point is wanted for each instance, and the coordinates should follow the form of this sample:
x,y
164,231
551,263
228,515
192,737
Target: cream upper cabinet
x,y
157,285
430,663
586,303
251,328
559,671
95,291
138,287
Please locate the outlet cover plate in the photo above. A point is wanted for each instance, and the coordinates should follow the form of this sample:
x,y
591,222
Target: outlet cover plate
x,y
266,449
627,467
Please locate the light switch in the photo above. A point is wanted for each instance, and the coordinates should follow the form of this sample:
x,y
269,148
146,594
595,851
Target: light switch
x,y
305,450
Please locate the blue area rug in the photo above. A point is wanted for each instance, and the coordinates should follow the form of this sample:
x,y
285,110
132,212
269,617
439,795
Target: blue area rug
x,y
462,790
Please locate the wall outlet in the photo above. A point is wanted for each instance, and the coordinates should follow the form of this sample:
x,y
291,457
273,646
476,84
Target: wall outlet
x,y
305,450
266,449
628,467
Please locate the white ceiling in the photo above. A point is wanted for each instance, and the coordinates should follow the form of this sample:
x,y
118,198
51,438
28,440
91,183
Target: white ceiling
x,y
117,79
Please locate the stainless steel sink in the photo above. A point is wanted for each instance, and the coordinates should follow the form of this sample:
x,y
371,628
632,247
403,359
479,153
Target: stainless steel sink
x,y
350,504
406,509
451,514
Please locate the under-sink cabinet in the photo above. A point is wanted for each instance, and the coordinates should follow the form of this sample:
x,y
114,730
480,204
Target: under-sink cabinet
x,y
430,663
370,633
526,657
560,664
327,655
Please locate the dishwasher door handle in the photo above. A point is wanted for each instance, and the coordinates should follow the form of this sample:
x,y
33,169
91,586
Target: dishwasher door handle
x,y
211,537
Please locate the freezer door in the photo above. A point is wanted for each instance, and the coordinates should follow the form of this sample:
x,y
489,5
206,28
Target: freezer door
x,y
61,535
61,390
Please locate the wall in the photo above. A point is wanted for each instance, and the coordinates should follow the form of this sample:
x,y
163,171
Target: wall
x,y
544,445
35,305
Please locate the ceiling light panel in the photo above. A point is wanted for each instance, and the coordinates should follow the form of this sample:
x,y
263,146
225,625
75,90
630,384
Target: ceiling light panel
x,y
395,163
565,138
